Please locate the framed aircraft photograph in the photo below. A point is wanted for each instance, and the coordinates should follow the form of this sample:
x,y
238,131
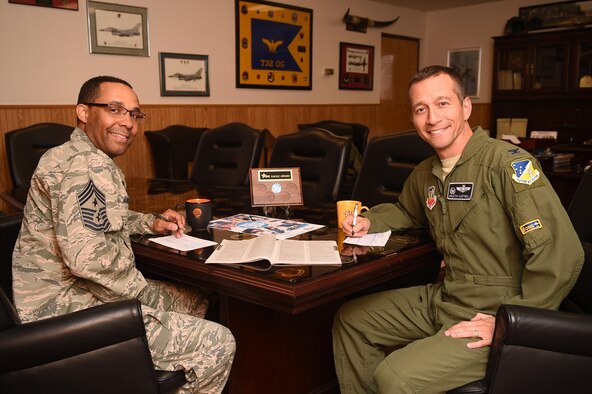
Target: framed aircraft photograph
x,y
63,4
117,29
273,45
356,66
184,75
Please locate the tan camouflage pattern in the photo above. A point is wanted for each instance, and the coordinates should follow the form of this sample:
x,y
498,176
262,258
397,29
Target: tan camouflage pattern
x,y
65,261
179,340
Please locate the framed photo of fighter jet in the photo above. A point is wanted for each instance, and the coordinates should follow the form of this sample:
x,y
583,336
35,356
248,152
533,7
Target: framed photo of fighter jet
x,y
117,29
356,66
184,75
273,45
64,4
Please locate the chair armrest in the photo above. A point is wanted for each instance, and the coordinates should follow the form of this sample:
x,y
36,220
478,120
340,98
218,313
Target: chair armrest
x,y
58,338
12,201
544,329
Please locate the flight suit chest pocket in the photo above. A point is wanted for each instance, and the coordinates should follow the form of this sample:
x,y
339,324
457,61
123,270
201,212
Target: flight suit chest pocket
x,y
461,210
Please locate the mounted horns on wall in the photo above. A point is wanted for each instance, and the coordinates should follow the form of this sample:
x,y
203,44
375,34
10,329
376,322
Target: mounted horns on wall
x,y
357,23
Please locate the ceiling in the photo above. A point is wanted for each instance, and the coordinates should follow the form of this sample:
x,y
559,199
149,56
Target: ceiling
x,y
433,5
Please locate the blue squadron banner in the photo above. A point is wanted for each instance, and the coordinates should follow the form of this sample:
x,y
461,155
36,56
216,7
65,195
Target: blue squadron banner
x,y
273,45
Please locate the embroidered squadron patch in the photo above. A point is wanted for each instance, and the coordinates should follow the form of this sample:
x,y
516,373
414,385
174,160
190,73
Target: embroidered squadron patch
x,y
524,172
460,191
531,226
93,208
431,200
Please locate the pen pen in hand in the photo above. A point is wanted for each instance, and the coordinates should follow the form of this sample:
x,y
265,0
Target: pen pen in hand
x,y
162,217
355,218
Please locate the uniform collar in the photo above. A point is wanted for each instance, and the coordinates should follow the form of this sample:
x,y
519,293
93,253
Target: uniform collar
x,y
475,144
78,135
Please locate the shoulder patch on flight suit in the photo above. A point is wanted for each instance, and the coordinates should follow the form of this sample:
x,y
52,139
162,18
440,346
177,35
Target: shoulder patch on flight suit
x,y
524,172
531,226
93,208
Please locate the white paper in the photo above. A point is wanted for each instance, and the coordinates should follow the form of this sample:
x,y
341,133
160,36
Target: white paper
x,y
183,243
511,137
543,134
375,239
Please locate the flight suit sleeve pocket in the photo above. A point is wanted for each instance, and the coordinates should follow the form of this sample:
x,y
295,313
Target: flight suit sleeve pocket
x,y
529,223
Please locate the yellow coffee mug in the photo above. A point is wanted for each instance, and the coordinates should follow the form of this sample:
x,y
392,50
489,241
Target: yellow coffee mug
x,y
346,207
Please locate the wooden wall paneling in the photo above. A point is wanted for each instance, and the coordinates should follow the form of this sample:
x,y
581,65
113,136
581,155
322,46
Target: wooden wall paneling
x,y
137,162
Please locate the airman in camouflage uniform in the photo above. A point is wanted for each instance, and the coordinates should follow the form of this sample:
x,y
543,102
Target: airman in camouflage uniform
x,y
74,250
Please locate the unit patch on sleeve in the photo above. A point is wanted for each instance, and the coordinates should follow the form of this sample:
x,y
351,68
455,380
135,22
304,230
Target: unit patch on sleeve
x,y
93,208
460,191
524,172
531,226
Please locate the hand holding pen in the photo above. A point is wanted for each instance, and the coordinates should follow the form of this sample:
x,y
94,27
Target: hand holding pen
x,y
169,221
354,221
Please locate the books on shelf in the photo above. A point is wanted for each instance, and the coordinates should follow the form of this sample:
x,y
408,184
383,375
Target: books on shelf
x,y
272,252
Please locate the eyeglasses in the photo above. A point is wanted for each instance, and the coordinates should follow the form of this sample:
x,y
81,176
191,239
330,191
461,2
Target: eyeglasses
x,y
120,110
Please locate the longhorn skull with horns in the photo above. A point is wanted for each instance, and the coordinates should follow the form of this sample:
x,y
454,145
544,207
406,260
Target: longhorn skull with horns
x,y
357,23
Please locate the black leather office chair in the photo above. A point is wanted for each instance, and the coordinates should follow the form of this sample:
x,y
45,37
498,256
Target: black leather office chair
x,y
321,156
543,351
358,132
97,350
225,154
359,135
388,162
24,148
173,148
10,226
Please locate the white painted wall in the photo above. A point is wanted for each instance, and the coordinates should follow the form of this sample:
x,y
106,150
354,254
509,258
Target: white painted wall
x,y
45,56
470,27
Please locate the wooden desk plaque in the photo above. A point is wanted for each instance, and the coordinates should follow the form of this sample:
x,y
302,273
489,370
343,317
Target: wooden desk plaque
x,y
273,187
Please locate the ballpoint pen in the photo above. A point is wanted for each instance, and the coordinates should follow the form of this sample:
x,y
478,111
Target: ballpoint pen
x,y
355,218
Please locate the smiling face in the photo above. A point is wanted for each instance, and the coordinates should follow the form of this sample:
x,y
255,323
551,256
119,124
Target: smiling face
x,y
440,115
113,134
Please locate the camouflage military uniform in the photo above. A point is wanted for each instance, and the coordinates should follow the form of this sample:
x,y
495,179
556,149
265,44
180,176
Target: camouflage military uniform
x,y
74,252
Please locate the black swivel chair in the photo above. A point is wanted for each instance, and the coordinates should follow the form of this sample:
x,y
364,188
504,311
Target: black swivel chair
x,y
97,350
543,351
322,158
358,132
173,148
359,135
24,148
388,161
225,154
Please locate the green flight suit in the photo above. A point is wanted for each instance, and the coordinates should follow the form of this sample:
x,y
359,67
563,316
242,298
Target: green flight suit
x,y
505,238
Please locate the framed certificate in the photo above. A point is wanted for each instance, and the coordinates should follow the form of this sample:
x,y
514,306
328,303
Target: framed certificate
x,y
275,187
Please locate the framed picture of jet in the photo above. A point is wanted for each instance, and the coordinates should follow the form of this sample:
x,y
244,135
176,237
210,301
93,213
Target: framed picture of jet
x,y
273,45
117,29
64,4
356,66
184,75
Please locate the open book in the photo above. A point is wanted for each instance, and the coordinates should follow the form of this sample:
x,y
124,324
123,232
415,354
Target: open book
x,y
276,252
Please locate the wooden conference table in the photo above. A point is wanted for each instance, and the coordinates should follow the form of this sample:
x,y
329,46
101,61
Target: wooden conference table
x,y
281,318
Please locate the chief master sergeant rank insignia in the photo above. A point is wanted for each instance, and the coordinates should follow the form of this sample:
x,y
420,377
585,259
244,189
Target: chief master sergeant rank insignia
x,y
92,208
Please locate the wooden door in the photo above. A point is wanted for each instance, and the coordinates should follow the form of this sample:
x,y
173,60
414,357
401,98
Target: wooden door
x,y
399,60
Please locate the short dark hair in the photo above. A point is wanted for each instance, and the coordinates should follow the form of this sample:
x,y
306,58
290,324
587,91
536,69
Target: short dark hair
x,y
90,89
435,70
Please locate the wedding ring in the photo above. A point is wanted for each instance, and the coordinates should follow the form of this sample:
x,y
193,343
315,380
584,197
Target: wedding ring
x,y
476,333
